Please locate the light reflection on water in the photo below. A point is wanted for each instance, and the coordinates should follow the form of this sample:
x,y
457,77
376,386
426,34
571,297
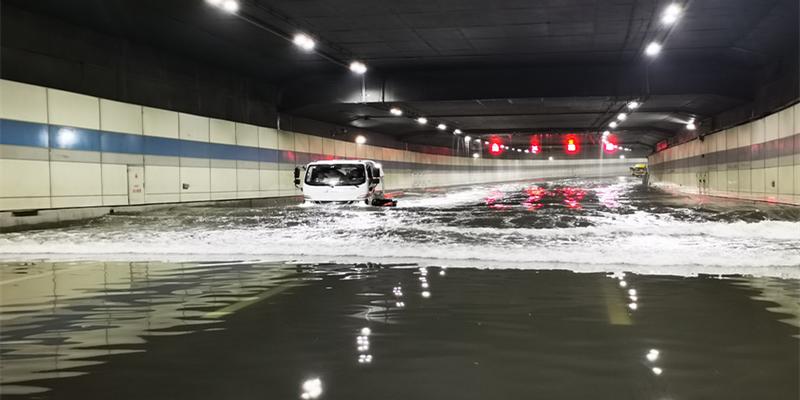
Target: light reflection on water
x,y
344,330
58,317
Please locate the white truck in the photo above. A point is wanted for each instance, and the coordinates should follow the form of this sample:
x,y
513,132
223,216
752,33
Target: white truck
x,y
343,181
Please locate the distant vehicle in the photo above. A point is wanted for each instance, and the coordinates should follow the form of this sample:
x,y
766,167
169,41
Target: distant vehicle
x,y
639,170
343,181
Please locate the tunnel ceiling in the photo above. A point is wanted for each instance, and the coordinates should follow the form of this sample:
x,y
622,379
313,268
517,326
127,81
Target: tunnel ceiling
x,y
511,67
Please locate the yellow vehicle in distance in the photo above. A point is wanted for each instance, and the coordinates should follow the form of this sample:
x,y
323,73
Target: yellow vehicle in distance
x,y
639,170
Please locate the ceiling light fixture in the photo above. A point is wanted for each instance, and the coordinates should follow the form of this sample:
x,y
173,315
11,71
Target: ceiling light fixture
x,y
634,105
652,49
361,139
396,111
690,125
422,120
358,67
622,116
304,41
457,131
441,127
230,6
613,124
671,14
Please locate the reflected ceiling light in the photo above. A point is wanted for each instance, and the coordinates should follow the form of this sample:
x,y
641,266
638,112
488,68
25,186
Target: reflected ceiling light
x,y
623,283
527,151
426,294
304,41
519,150
671,14
652,49
622,116
657,370
633,306
312,389
606,133
365,331
358,67
690,125
622,156
652,355
230,6
632,292
396,111
422,120
457,131
633,105
613,124
467,139
474,155
478,141
550,158
361,139
441,127
66,137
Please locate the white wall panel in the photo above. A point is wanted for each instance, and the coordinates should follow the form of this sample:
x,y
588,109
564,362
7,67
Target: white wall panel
x,y
23,102
120,117
285,140
115,179
247,180
267,138
246,135
157,122
160,179
76,201
786,122
772,127
24,178
757,130
75,179
72,109
300,143
223,131
223,179
193,127
198,179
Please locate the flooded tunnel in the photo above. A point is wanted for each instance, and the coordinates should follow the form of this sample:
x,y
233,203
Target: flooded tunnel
x,y
349,199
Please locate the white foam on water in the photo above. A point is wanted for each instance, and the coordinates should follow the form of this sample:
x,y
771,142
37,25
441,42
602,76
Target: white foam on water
x,y
638,242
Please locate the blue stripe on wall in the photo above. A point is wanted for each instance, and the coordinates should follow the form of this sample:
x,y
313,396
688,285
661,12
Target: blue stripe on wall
x,y
194,149
41,135
121,143
19,133
159,146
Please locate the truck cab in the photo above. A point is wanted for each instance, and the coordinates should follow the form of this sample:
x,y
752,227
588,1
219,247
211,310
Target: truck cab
x,y
341,181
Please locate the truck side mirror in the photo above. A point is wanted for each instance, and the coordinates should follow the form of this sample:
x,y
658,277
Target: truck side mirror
x,y
297,176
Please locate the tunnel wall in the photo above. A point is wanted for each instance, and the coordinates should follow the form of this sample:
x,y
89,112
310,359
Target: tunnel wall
x,y
61,149
757,160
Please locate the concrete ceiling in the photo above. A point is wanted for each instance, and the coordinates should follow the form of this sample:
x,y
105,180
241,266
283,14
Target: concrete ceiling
x,y
511,67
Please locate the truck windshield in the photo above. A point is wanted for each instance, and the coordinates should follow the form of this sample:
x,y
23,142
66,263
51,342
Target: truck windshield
x,y
336,175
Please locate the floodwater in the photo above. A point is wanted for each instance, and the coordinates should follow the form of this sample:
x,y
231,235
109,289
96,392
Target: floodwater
x,y
261,331
567,289
595,225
